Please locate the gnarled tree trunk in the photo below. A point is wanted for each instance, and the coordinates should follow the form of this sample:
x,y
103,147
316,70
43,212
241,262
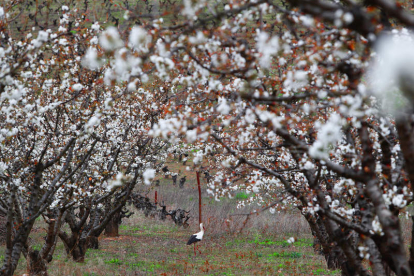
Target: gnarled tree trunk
x,y
76,247
112,229
323,245
36,264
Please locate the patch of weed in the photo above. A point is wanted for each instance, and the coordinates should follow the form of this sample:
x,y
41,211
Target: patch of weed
x,y
37,247
143,266
321,271
235,242
114,261
123,227
242,196
283,243
293,255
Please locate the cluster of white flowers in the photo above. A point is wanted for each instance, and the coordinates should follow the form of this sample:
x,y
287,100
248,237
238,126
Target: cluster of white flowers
x,y
41,38
117,182
341,184
90,59
198,157
392,196
110,39
328,135
267,47
139,39
148,175
363,252
310,209
223,106
2,13
169,129
191,8
392,72
376,227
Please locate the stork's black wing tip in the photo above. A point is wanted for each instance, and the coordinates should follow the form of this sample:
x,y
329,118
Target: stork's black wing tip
x,y
192,239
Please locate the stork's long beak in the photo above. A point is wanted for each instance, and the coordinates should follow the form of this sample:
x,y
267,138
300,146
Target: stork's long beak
x,y
204,228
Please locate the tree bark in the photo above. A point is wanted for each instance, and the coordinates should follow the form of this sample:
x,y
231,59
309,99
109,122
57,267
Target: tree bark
x,y
406,137
13,253
36,264
322,244
74,247
112,228
3,230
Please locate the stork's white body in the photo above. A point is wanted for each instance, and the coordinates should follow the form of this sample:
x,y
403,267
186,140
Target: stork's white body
x,y
196,238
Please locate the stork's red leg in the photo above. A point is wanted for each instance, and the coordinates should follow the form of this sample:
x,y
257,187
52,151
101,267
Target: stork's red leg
x,y
194,250
198,249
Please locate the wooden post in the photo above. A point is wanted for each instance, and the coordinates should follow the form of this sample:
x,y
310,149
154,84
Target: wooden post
x,y
200,220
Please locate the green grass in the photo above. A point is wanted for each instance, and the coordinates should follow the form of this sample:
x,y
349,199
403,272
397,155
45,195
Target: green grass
x,y
242,196
322,271
283,243
292,255
115,261
90,274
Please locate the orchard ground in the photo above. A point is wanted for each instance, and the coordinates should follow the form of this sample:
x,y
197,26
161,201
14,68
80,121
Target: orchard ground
x,y
155,248
148,246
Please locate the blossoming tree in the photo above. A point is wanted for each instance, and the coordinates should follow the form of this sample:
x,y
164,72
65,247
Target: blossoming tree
x,y
302,103
72,146
280,89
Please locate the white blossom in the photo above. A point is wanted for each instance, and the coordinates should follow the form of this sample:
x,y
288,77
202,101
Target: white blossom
x,y
110,39
223,107
77,87
140,39
117,182
148,175
392,73
266,48
91,60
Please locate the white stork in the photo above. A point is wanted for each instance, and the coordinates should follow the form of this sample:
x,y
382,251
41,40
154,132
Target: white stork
x,y
196,238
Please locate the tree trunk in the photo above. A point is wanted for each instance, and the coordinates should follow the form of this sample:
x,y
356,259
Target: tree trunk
x,y
3,232
50,240
92,242
15,249
74,247
78,253
112,228
334,256
37,260
36,264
